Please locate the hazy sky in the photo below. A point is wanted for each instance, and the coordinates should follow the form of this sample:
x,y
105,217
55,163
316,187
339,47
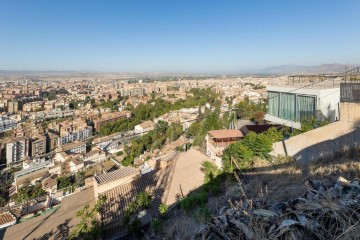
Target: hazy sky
x,y
176,36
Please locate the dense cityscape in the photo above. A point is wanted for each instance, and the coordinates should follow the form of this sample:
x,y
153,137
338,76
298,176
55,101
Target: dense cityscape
x,y
195,120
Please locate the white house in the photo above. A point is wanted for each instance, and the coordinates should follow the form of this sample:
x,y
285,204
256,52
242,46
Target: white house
x,y
291,105
144,127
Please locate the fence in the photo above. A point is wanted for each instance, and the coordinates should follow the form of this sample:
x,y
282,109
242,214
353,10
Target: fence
x,y
350,92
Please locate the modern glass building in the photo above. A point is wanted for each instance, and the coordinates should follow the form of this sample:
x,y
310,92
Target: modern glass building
x,y
291,106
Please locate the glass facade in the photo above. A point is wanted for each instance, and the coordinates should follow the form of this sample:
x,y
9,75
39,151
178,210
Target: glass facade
x,y
305,107
292,107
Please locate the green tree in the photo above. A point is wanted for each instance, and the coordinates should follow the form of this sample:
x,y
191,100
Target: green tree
x,y
259,144
80,179
63,182
274,134
174,132
193,130
238,152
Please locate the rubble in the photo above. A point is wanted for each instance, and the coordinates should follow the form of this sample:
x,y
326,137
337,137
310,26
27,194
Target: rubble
x,y
323,212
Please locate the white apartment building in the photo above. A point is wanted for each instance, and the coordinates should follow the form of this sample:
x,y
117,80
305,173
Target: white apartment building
x,y
7,124
16,150
70,137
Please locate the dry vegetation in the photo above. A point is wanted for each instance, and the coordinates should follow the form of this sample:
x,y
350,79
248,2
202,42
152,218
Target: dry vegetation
x,y
308,190
281,181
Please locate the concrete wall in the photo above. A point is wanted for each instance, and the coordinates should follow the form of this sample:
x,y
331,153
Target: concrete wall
x,y
326,140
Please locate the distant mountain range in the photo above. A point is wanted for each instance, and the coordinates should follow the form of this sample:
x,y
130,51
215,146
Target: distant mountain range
x,y
298,69
283,69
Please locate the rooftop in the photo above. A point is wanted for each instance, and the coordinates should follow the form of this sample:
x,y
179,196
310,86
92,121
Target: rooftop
x,y
226,133
70,146
117,174
6,217
147,124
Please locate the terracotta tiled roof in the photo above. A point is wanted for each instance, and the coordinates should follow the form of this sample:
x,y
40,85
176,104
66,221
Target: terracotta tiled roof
x,y
117,174
226,133
166,185
120,197
6,217
147,124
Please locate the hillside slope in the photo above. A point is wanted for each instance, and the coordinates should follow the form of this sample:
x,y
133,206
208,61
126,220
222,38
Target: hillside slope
x,y
264,186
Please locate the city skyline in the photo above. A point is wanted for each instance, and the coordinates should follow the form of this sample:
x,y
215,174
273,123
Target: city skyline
x,y
180,36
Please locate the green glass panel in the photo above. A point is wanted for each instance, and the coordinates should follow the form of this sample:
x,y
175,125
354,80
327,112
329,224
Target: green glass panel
x,y
287,106
273,103
305,107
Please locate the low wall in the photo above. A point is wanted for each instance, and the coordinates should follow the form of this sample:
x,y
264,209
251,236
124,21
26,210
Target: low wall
x,y
319,142
326,140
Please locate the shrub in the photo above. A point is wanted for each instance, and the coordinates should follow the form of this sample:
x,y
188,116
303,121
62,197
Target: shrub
x,y
144,200
238,152
193,200
203,214
156,225
163,209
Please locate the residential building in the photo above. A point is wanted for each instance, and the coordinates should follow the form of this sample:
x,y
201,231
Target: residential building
x,y
109,118
291,105
31,168
17,149
7,124
184,117
38,146
52,141
33,106
13,106
32,177
132,92
218,140
74,165
71,131
94,156
76,147
144,127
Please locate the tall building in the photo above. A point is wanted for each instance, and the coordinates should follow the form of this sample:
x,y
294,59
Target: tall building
x,y
17,149
38,146
13,106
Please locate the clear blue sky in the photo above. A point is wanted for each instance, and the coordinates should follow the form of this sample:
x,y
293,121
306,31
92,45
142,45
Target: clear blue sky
x,y
176,35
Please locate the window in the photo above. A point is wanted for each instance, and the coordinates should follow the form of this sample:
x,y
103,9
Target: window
x,y
287,106
273,103
305,107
